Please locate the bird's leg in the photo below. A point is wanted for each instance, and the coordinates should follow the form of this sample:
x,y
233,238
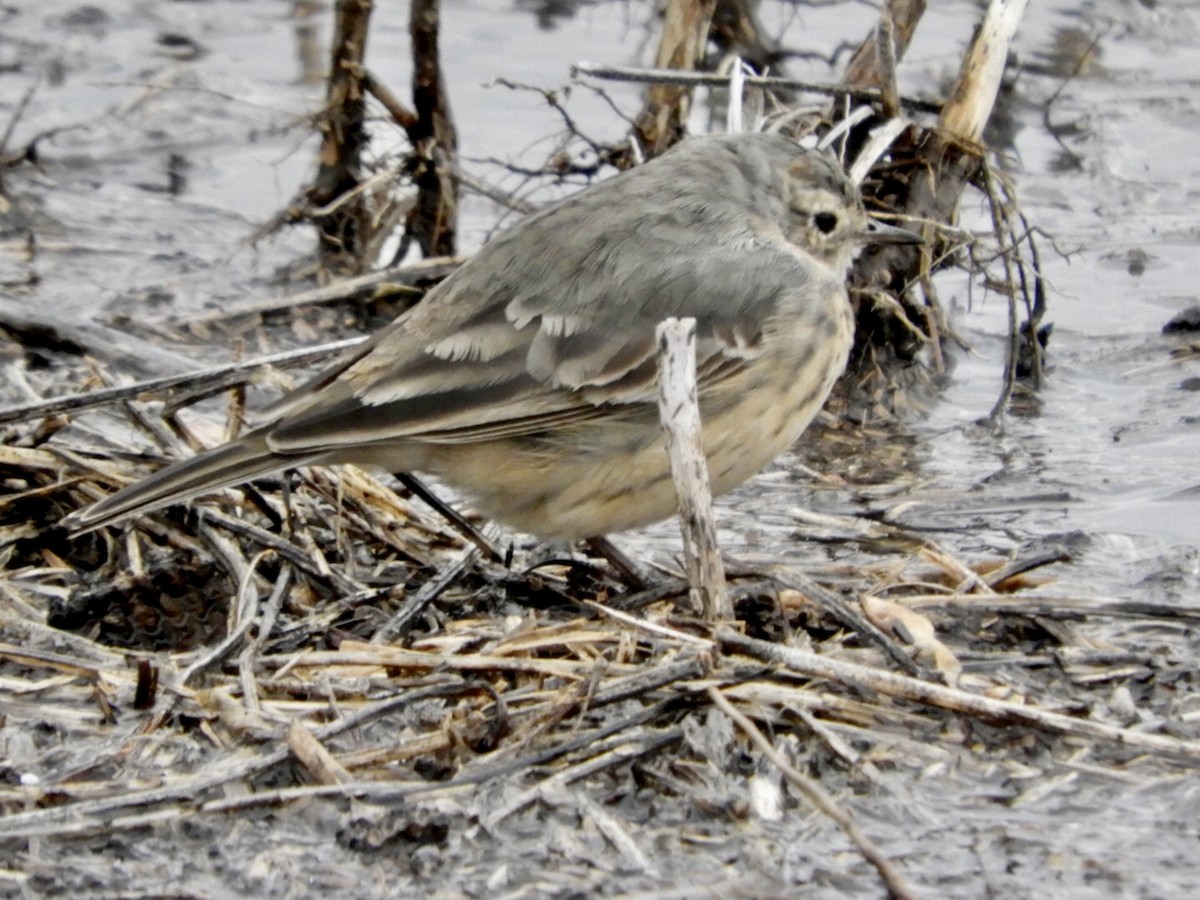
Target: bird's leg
x,y
453,516
626,568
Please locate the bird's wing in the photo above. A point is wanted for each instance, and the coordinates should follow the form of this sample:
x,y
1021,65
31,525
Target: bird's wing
x,y
537,333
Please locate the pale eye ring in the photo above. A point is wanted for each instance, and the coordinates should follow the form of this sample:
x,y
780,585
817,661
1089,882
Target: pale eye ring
x,y
825,222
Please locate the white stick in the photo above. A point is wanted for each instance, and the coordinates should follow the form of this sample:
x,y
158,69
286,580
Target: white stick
x,y
970,102
679,410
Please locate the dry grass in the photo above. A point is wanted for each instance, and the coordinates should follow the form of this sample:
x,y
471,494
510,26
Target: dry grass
x,y
345,643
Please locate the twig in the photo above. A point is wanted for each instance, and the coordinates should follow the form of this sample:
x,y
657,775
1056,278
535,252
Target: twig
x,y
266,623
969,579
655,628
698,79
433,219
500,197
286,549
1036,310
343,233
416,605
679,412
413,790
664,114
607,823
881,139
642,684
1025,564
969,104
1053,130
954,700
885,48
1042,605
242,610
631,747
11,126
215,379
464,527
401,114
865,68
386,282
844,612
1003,232
625,567
88,815
314,756
820,798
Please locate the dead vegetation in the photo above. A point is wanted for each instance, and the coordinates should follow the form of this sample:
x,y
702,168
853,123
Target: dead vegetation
x,y
325,636
367,651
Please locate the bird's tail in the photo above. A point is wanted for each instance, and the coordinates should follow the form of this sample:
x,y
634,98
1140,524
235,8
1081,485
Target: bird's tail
x,y
223,466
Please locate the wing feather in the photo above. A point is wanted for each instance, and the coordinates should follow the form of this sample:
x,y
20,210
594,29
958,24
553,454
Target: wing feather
x,y
536,333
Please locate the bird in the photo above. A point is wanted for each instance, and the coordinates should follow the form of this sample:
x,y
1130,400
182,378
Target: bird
x,y
527,381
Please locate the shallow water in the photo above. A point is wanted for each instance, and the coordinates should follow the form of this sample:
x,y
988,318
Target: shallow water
x,y
1115,430
1105,462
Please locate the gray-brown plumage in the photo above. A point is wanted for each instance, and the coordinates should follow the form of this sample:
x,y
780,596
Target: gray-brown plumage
x,y
527,378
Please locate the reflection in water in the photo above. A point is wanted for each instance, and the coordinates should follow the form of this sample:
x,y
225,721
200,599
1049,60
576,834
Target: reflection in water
x,y
311,53
551,13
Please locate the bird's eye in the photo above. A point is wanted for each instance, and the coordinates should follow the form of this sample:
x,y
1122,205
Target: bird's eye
x,y
825,222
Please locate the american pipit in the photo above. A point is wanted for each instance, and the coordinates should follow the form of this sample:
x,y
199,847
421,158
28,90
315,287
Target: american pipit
x,y
527,378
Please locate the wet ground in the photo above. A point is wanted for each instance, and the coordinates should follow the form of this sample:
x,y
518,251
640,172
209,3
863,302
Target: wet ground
x,y
171,131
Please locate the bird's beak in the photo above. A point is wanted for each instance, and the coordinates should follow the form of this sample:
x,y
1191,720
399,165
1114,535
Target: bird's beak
x,y
878,232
